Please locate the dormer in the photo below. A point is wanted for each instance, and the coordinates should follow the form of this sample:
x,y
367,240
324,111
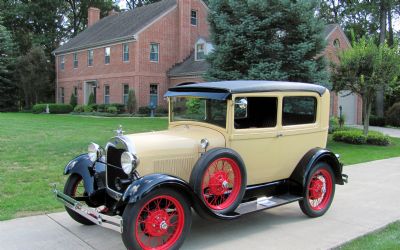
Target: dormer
x,y
201,49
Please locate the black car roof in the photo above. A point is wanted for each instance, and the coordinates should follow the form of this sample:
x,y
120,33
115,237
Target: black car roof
x,y
226,88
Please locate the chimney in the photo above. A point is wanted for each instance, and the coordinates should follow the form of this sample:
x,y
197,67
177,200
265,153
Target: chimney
x,y
93,16
184,8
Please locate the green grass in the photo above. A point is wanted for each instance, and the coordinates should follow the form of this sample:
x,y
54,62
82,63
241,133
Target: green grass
x,y
352,154
35,148
385,239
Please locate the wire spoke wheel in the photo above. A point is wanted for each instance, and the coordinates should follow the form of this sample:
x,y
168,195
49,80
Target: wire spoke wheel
x,y
160,223
320,189
221,183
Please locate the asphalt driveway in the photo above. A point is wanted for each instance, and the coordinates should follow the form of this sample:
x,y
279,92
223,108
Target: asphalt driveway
x,y
370,201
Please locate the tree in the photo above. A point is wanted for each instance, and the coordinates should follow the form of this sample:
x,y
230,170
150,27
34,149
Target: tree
x,y
8,90
91,100
271,40
132,4
364,69
77,13
73,101
131,104
32,75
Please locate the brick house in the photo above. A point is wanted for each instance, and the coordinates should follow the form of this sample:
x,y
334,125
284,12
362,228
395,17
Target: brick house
x,y
150,49
129,50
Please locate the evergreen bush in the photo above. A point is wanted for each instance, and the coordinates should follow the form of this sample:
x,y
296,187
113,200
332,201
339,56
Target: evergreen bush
x,y
73,101
131,105
54,108
393,115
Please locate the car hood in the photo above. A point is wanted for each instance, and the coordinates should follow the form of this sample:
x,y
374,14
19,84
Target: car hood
x,y
173,151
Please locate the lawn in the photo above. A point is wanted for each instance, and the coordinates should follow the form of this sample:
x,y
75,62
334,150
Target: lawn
x,y
35,148
385,239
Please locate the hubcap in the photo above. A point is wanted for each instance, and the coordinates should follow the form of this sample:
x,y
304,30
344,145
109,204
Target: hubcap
x,y
320,190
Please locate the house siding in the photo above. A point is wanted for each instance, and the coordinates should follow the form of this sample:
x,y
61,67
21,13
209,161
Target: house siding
x,y
175,44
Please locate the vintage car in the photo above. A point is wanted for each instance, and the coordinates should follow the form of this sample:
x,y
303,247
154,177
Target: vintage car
x,y
231,148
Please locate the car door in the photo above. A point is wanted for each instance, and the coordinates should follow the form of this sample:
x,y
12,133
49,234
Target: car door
x,y
300,129
254,135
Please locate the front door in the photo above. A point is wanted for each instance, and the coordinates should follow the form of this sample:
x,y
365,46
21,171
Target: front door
x,y
254,136
90,88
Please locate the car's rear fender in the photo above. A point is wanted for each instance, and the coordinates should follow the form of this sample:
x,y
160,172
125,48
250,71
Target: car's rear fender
x,y
83,166
144,185
312,157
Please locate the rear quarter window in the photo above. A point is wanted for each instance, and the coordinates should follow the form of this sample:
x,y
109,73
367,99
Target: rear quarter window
x,y
299,110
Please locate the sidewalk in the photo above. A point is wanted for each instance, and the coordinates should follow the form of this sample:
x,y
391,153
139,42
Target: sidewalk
x,y
393,132
368,202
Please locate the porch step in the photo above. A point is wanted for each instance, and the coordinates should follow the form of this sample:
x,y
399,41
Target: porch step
x,y
266,203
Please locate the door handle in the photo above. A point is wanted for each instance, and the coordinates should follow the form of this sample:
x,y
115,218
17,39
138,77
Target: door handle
x,y
279,135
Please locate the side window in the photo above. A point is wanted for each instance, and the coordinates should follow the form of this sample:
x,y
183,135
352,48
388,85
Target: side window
x,y
299,110
256,112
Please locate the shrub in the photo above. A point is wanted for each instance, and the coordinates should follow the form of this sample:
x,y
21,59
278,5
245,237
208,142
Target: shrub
x,y
144,110
161,111
120,107
78,109
112,110
333,124
393,115
350,136
88,108
54,108
102,107
94,107
91,99
131,105
357,137
73,101
378,139
377,121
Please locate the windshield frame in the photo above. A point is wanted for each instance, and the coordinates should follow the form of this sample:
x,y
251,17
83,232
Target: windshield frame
x,y
198,122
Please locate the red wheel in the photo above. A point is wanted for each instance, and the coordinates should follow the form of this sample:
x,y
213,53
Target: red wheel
x,y
319,191
158,222
221,184
219,179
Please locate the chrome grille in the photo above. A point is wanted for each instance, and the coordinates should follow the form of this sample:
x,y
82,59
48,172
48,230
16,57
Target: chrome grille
x,y
114,169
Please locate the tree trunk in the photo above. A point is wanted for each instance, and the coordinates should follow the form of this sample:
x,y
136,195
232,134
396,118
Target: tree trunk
x,y
379,99
365,114
390,26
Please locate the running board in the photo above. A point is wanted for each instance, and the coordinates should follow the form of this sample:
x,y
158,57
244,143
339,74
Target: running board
x,y
266,203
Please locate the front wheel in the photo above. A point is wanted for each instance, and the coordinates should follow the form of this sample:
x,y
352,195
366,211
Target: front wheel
x,y
160,221
73,188
319,191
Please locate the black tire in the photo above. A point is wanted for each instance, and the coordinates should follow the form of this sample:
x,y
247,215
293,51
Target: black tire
x,y
140,221
321,174
70,189
206,187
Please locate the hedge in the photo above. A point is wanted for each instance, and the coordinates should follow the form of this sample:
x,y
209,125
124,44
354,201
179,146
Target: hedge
x,y
357,137
377,121
393,115
54,108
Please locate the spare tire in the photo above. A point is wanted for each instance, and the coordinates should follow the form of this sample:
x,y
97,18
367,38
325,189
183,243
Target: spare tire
x,y
219,179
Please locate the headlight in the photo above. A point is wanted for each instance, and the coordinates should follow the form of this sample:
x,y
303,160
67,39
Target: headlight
x,y
94,151
128,162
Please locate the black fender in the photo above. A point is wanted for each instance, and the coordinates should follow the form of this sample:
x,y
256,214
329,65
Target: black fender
x,y
312,157
141,187
83,166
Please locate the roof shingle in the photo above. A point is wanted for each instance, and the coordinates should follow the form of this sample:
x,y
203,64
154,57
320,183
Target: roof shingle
x,y
118,27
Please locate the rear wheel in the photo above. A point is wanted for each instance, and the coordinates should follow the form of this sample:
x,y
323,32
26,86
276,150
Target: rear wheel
x,y
159,221
74,188
319,191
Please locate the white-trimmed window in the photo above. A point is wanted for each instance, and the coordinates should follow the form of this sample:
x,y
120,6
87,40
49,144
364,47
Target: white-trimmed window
x,y
200,51
75,91
62,95
125,94
107,53
193,17
90,57
154,52
62,62
125,52
75,56
153,95
106,94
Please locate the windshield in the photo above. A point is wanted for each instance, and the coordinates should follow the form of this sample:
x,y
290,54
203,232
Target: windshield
x,y
198,109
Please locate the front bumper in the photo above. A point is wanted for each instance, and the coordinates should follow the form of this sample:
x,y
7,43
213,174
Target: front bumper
x,y
106,221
